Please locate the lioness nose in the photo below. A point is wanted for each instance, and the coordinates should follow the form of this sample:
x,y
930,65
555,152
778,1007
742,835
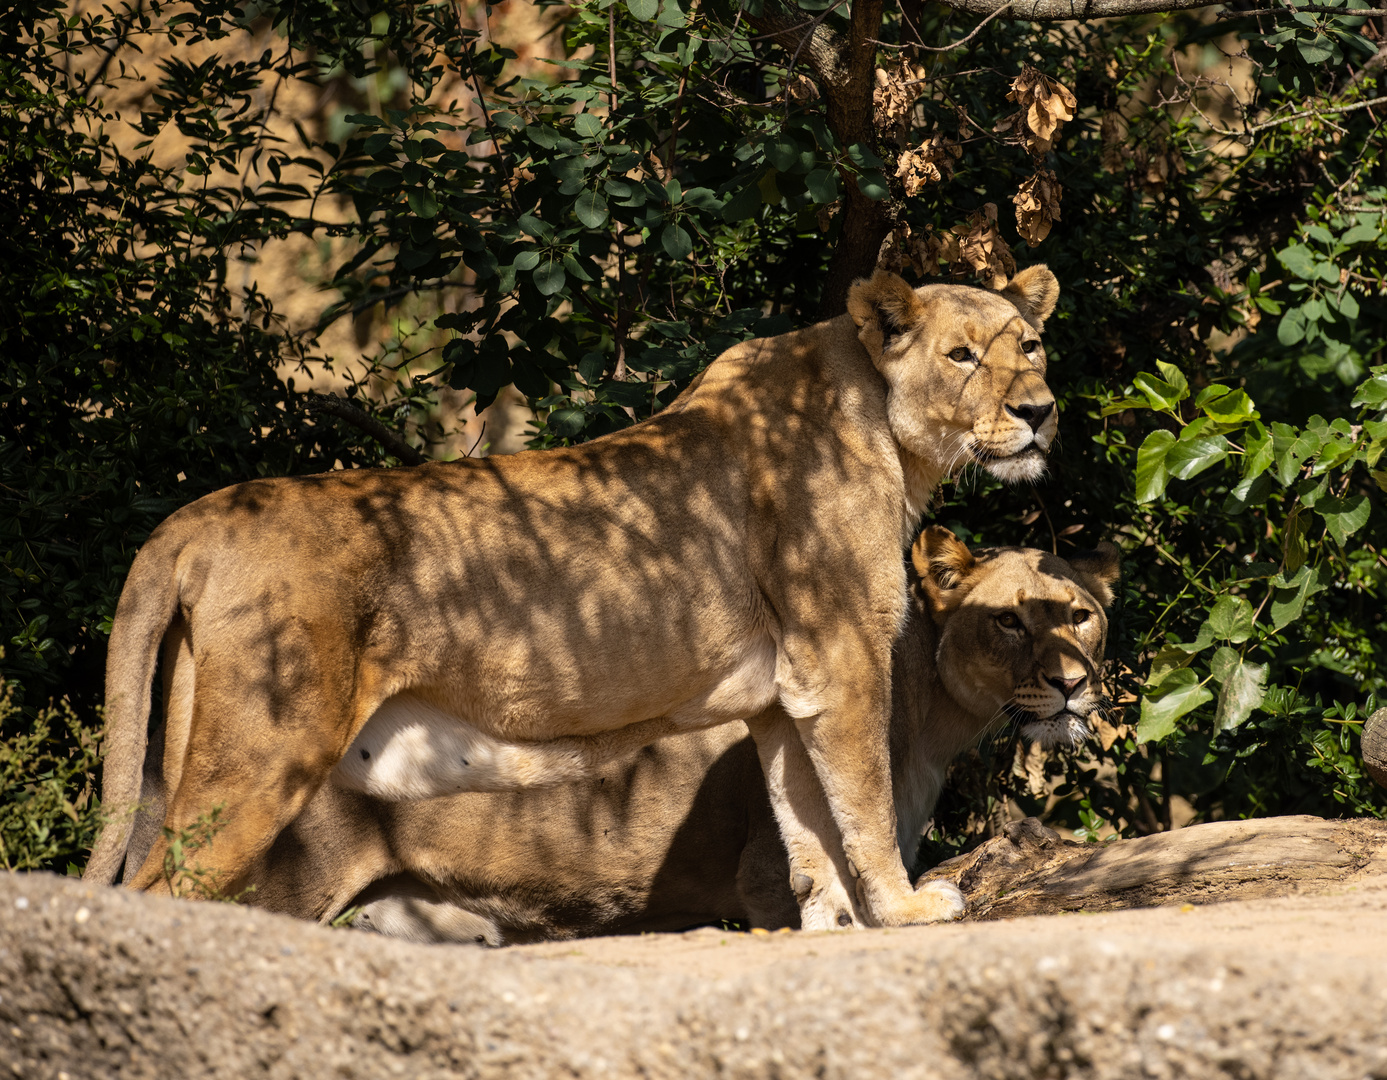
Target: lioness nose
x,y
1034,415
1067,687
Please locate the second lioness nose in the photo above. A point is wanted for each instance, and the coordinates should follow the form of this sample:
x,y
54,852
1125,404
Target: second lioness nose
x,y
1034,415
1067,687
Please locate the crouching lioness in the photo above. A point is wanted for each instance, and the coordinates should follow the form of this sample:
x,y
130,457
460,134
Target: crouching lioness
x,y
682,832
517,621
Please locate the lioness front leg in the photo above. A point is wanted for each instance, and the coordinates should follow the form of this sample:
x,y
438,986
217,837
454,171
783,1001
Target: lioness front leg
x,y
844,724
818,870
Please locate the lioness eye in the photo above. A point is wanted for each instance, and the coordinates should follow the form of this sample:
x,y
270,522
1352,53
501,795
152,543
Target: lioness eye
x,y
963,355
1029,347
1009,620
1081,616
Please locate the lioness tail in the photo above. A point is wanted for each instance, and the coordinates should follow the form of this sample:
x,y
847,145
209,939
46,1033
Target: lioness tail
x,y
147,605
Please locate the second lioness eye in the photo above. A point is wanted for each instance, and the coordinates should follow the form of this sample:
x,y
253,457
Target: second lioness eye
x,y
1009,620
1081,616
1029,347
963,355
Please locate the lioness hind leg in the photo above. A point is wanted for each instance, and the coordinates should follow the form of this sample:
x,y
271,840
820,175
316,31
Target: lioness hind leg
x,y
817,866
255,754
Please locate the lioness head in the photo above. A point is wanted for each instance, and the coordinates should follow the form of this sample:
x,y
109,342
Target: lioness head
x,y
965,369
1021,631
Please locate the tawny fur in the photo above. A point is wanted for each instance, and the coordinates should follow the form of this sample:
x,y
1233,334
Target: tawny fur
x,y
682,831
640,579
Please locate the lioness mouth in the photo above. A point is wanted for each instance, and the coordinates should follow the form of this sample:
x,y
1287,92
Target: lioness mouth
x,y
983,456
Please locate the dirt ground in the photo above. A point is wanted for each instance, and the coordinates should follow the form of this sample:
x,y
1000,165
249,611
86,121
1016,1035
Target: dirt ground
x,y
99,982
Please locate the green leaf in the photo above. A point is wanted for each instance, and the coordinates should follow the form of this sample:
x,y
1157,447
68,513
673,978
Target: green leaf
x,y
1242,688
1348,305
742,205
1343,517
549,278
1231,408
587,125
566,423
1152,475
822,185
1362,234
1180,693
591,209
1291,328
1316,51
1231,619
423,204
1299,260
1294,551
1249,492
526,261
643,10
1190,457
873,185
676,242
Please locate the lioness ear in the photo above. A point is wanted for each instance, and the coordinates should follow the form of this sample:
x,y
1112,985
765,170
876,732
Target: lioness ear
x,y
882,308
943,562
1035,292
1101,567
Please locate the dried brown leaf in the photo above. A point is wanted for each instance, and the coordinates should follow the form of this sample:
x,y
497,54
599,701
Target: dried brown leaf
x,y
1038,206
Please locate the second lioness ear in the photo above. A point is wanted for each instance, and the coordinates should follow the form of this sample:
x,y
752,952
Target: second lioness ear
x,y
1101,567
943,562
1034,291
882,308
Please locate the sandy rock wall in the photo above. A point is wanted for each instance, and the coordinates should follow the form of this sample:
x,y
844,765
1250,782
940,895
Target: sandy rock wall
x,y
99,982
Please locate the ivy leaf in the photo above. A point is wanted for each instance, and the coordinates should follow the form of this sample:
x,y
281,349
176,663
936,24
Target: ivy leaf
x,y
1160,393
1231,619
1152,475
1343,517
1294,551
1293,593
1231,408
1242,688
1180,693
1372,392
1190,457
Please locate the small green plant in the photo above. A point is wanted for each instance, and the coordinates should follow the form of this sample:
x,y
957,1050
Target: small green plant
x,y
347,917
184,877
48,803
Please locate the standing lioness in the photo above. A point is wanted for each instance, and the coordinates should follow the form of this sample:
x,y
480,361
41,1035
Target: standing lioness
x,y
735,557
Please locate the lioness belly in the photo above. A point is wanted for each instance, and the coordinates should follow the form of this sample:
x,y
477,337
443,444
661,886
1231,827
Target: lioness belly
x,y
413,749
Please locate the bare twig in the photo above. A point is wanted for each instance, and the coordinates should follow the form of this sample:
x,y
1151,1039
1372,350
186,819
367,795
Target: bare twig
x,y
1057,10
1334,110
364,421
1318,9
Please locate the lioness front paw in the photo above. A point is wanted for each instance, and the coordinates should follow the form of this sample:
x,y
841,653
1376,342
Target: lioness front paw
x,y
941,901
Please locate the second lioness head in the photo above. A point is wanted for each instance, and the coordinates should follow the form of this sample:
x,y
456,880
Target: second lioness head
x,y
965,369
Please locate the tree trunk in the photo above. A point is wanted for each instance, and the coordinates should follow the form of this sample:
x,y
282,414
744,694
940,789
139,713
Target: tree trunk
x,y
1033,870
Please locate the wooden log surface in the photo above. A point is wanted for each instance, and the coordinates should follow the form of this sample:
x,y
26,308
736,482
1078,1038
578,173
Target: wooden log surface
x,y
1032,870
1375,747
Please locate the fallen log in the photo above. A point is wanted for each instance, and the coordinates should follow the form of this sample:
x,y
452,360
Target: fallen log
x,y
1032,870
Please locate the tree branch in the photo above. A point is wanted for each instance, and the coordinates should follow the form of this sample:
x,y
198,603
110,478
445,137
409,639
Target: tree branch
x,y
1058,10
364,421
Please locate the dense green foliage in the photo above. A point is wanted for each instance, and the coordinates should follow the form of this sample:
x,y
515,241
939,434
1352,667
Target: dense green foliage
x,y
595,231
